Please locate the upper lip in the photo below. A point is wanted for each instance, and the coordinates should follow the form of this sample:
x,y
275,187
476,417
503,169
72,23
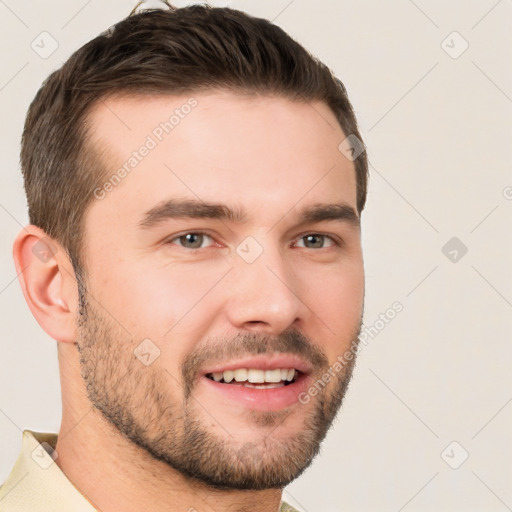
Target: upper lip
x,y
263,362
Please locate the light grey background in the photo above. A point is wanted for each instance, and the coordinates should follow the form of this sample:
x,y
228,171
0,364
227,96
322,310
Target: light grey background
x,y
438,126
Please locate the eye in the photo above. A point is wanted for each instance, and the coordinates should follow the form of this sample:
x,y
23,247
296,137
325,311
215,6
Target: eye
x,y
316,241
197,239
191,240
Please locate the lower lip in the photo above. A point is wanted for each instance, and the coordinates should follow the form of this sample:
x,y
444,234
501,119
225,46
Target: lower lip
x,y
271,399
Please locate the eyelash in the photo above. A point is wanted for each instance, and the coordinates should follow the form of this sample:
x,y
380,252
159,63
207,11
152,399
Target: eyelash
x,y
170,240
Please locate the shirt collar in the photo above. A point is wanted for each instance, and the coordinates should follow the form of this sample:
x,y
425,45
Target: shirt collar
x,y
37,483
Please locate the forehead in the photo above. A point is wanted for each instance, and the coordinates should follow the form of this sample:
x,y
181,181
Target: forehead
x,y
221,146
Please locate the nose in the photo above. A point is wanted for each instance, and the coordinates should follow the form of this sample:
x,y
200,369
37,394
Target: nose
x,y
264,295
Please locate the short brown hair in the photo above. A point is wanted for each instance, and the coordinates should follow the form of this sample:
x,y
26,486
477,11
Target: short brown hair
x,y
175,51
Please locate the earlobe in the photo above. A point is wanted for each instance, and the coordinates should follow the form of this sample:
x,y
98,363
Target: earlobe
x,y
48,282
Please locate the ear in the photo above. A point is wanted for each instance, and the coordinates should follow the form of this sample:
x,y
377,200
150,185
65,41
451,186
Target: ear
x,y
48,282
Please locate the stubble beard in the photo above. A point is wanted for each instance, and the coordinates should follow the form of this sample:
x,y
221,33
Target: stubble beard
x,y
135,399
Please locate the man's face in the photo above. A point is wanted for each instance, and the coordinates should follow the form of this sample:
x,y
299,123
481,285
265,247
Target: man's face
x,y
177,305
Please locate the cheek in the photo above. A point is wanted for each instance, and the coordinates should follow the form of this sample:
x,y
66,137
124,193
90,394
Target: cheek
x,y
336,298
151,301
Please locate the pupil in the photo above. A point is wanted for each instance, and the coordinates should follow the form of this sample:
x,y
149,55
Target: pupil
x,y
189,240
318,238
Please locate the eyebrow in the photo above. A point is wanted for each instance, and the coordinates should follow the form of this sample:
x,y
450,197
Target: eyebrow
x,y
195,209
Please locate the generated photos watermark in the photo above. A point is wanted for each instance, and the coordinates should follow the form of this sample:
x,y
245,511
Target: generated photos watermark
x,y
152,140
367,333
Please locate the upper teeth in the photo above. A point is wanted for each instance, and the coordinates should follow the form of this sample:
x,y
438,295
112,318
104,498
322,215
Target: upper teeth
x,y
254,375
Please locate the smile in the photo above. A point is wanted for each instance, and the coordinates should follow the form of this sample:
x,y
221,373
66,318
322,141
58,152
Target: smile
x,y
255,377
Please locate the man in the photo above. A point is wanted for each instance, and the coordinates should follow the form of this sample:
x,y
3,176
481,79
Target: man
x,y
195,181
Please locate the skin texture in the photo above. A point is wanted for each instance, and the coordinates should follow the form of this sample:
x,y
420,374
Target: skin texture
x,y
133,434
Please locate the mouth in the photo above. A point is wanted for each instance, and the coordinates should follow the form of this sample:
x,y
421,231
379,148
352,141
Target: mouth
x,y
256,378
260,383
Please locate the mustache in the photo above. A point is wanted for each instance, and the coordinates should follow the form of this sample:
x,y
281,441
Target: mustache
x,y
247,344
